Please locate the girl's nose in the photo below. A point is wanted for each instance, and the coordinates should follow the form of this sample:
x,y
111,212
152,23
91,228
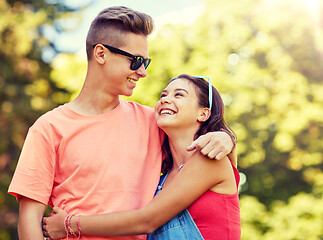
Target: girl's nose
x,y
165,99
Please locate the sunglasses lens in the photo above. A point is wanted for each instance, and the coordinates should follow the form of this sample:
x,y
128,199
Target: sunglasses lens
x,y
138,61
146,62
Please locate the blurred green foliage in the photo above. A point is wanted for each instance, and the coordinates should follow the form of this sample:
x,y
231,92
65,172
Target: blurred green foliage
x,y
26,88
264,57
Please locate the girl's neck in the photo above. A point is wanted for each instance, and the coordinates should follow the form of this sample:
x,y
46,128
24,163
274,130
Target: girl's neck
x,y
179,140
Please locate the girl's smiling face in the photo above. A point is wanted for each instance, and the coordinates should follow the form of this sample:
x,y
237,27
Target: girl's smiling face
x,y
179,106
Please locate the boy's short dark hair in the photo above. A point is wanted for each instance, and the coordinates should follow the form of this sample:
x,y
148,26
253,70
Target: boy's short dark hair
x,y
111,25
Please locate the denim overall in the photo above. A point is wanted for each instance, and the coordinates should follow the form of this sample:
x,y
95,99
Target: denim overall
x,y
182,226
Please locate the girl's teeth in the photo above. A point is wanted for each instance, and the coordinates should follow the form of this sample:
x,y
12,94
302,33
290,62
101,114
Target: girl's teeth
x,y
166,112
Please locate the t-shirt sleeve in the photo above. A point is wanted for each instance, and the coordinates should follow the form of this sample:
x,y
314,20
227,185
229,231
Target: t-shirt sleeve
x,y
35,171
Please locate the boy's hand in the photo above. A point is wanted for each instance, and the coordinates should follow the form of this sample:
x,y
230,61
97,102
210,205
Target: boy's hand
x,y
213,144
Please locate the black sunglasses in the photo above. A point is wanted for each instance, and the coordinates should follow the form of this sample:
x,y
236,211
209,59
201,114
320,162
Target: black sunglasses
x,y
136,62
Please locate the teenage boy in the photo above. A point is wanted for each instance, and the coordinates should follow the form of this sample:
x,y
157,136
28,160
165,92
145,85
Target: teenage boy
x,y
98,153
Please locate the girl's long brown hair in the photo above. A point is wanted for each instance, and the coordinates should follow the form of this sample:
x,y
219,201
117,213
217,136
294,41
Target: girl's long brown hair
x,y
215,122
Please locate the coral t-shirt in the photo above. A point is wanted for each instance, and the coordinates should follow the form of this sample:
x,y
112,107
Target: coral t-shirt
x,y
91,164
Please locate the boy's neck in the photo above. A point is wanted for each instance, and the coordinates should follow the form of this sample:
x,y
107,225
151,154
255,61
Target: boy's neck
x,y
93,105
94,99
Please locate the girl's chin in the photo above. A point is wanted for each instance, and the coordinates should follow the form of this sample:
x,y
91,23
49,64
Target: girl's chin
x,y
163,125
167,127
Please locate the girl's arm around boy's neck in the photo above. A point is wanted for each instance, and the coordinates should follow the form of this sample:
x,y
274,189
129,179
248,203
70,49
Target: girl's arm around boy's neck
x,y
198,175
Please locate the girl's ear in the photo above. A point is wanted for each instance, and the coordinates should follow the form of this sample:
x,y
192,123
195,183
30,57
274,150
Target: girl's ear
x,y
204,115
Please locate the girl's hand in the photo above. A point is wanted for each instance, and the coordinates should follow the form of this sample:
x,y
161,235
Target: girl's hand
x,y
53,225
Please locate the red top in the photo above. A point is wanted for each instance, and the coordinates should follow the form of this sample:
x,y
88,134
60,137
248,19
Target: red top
x,y
217,216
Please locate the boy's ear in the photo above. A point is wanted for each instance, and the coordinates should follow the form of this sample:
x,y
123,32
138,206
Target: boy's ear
x,y
204,115
99,54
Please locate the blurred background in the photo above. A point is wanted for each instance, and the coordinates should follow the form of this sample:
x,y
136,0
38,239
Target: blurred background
x,y
264,56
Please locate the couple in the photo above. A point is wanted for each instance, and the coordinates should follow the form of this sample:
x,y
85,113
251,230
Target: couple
x,y
100,154
205,198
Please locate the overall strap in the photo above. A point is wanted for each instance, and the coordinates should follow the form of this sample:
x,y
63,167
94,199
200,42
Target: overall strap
x,y
161,182
182,226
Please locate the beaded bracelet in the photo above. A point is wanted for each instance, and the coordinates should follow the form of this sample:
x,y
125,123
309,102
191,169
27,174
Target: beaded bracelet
x,y
68,228
66,225
66,231
79,226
